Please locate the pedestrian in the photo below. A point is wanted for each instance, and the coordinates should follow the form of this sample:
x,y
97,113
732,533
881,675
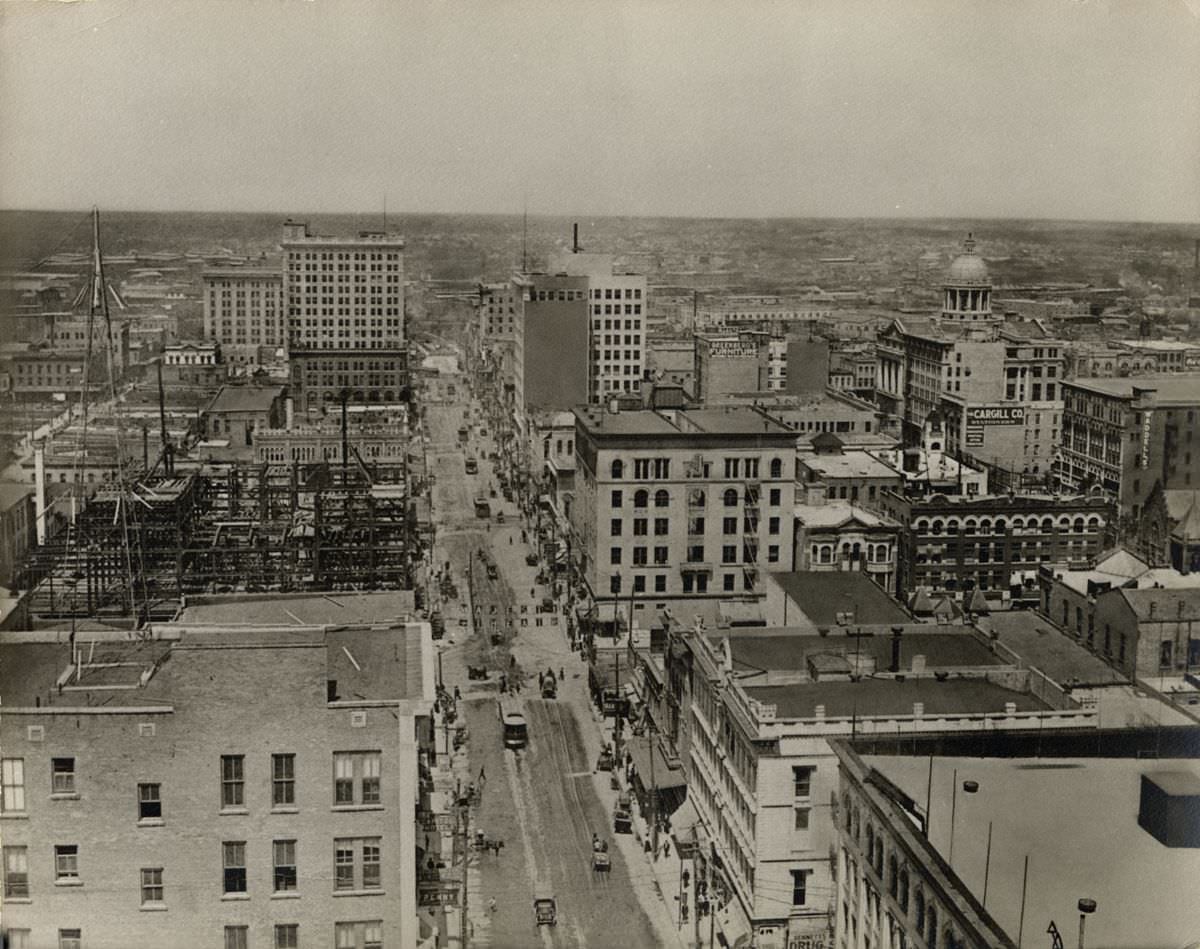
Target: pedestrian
x,y
457,694
492,905
666,849
503,683
561,674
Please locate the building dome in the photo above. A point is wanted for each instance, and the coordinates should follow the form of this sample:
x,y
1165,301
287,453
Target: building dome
x,y
968,268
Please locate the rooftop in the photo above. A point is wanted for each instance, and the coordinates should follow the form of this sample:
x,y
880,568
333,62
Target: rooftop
x,y
849,464
838,513
246,398
822,595
728,420
790,648
297,609
13,492
1144,891
1165,605
1040,643
890,697
1180,388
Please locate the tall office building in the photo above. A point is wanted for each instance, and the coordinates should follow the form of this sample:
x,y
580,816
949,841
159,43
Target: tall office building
x,y
617,306
242,311
345,316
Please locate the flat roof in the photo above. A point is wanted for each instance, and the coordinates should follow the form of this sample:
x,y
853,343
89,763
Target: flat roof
x,y
836,513
1182,388
1042,644
849,464
790,648
245,398
730,420
297,609
821,595
884,697
1076,821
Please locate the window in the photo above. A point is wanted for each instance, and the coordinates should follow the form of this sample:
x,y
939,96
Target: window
x,y
639,526
614,555
801,822
1165,650
356,863
149,802
356,778
639,584
152,885
368,935
802,781
62,775
729,525
660,554
283,779
617,499
773,553
72,939
730,497
19,939
661,498
233,780
729,554
799,887
236,937
287,936
641,499
661,527
660,584
615,528
773,525
614,583
233,856
284,854
16,872
776,472
618,472
776,496
12,784
66,862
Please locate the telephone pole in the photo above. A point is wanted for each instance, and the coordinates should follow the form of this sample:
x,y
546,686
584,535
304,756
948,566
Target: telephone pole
x,y
464,814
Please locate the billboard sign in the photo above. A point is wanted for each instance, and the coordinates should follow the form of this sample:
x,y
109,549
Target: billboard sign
x,y
980,415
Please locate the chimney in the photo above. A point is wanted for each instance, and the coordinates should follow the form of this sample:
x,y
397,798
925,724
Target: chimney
x,y
819,711
1010,708
575,238
289,409
39,477
918,709
918,665
897,632
331,692
614,406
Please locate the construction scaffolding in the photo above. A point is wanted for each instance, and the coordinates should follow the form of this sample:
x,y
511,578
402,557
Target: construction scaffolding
x,y
133,554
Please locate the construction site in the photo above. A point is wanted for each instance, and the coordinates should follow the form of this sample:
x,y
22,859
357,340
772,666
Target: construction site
x,y
132,553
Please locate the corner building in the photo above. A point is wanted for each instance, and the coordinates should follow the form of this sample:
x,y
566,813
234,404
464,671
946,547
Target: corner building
x,y
675,504
213,788
344,298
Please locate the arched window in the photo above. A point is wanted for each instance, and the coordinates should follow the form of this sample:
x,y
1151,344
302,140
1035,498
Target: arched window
x,y
1047,523
1000,525
618,469
776,468
1078,525
846,808
870,843
641,498
919,909
730,497
893,876
936,528
902,895
931,928
1093,523
826,553
661,498
879,856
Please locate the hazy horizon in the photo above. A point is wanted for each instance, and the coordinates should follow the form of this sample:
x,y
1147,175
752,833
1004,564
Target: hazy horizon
x,y
933,109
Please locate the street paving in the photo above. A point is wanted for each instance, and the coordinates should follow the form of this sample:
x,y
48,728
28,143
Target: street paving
x,y
544,802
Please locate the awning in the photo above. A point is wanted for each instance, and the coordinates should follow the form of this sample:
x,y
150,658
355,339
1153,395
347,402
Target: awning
x,y
733,928
685,827
665,777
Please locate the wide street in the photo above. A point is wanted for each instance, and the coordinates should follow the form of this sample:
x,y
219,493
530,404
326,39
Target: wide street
x,y
544,802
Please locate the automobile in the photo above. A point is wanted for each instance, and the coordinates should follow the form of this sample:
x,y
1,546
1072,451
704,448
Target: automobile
x,y
531,559
472,466
491,571
500,517
545,910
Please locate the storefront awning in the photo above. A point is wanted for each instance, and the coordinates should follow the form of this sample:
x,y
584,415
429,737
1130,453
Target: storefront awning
x,y
665,777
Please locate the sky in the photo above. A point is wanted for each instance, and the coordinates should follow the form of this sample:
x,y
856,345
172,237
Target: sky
x,y
1068,109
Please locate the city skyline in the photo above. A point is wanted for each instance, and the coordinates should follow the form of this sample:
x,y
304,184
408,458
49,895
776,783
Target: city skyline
x,y
1081,111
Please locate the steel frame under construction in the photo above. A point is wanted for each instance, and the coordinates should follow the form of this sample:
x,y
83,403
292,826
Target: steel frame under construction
x,y
132,554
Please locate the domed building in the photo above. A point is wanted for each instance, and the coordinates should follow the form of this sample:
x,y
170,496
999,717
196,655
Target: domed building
x,y
967,292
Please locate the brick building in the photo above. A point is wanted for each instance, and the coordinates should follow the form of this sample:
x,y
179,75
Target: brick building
x,y
243,311
994,543
139,808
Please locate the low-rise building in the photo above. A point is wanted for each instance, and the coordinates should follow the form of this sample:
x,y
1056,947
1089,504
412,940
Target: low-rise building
x,y
836,535
994,543
751,715
238,411
827,470
17,528
139,808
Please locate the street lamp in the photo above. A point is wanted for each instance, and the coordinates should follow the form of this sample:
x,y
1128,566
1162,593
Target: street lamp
x,y
1086,908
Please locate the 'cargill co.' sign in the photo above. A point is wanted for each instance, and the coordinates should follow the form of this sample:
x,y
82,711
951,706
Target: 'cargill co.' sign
x,y
996,415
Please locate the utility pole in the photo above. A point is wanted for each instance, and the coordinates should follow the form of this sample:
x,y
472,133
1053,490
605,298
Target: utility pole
x,y
653,797
464,822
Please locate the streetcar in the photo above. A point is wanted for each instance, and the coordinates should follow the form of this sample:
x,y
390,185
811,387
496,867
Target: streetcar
x,y
512,720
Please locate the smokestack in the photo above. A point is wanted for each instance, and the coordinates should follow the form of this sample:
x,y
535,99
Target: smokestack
x,y
39,477
575,238
897,632
289,409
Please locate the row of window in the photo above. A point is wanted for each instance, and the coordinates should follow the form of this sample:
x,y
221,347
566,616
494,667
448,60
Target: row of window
x,y
356,866
356,781
696,499
365,934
